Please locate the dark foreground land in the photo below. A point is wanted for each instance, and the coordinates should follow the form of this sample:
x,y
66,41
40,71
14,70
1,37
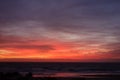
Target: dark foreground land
x,y
28,76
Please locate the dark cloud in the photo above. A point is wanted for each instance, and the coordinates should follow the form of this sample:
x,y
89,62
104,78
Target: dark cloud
x,y
112,54
113,49
57,10
16,42
76,16
9,39
62,15
115,52
33,47
115,45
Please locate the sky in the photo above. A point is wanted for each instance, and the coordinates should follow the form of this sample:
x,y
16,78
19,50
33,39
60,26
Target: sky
x,y
60,30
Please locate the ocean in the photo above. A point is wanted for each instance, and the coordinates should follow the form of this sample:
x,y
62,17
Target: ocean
x,y
61,69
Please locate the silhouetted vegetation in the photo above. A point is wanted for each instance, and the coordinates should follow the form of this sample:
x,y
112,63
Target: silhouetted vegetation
x,y
28,76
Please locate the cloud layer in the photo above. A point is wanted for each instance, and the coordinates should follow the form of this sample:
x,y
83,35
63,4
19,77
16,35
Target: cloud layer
x,y
61,26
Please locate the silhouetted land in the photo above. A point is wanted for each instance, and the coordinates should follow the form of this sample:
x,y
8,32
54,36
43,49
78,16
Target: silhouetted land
x,y
55,71
28,76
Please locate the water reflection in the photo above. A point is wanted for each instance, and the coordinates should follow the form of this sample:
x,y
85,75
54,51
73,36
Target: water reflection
x,y
69,74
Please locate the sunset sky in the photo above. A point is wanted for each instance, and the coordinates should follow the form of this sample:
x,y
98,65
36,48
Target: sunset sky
x,y
60,30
